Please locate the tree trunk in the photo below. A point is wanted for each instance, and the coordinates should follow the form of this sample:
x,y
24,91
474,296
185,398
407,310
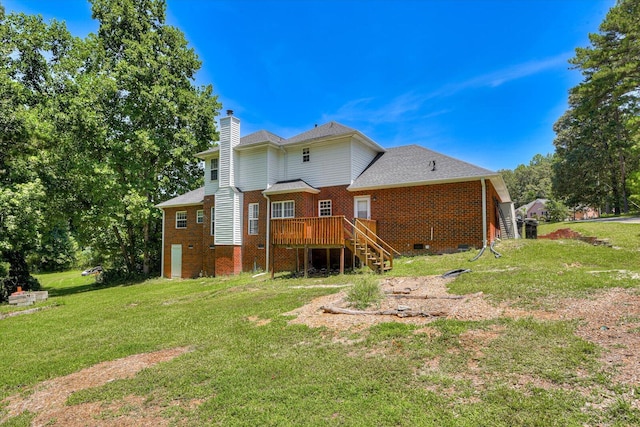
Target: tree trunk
x,y
145,246
123,249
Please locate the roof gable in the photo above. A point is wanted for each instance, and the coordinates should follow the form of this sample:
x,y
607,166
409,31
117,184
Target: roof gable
x,y
259,137
319,132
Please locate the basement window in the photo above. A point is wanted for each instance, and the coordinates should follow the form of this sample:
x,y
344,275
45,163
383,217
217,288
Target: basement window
x,y
181,219
306,156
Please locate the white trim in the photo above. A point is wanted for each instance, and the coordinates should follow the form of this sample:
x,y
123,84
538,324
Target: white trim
x,y
320,208
162,251
282,202
185,219
356,199
255,209
212,221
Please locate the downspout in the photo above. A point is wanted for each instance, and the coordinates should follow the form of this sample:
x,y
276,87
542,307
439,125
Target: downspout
x,y
484,220
267,245
484,213
162,251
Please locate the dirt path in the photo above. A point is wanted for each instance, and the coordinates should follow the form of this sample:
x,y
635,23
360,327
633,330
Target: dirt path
x,y
611,319
49,397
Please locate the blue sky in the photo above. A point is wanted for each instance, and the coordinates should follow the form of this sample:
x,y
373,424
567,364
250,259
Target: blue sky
x,y
479,80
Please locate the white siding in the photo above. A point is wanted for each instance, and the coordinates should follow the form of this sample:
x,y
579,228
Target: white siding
x,y
210,187
252,169
361,157
329,164
228,217
229,138
275,168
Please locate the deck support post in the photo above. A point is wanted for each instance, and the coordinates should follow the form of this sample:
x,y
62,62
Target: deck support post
x,y
328,260
306,262
273,262
342,260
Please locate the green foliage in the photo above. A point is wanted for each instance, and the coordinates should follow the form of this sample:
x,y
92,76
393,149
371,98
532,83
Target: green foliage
x,y
529,182
502,372
557,211
105,127
596,139
364,293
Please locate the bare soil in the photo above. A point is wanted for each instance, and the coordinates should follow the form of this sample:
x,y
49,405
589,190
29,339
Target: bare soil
x,y
610,319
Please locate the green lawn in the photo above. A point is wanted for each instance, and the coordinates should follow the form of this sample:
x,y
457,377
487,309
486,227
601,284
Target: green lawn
x,y
243,373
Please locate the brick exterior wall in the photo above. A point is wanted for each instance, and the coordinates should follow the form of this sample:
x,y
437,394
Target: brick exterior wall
x,y
190,238
442,218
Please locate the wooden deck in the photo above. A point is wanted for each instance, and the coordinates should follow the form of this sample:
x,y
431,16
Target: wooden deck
x,y
319,232
360,236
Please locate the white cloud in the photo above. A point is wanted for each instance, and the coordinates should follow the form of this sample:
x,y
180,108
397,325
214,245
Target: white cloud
x,y
411,103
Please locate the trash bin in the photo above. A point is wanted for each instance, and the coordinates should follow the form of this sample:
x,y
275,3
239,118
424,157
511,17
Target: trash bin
x,y
531,228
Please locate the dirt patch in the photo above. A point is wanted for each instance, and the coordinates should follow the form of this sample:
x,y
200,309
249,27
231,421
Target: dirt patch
x,y
610,318
48,398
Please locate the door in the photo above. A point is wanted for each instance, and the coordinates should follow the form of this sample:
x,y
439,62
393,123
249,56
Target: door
x,y
176,260
362,207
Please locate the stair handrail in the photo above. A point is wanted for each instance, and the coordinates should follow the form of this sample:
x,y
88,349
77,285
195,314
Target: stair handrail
x,y
378,237
382,251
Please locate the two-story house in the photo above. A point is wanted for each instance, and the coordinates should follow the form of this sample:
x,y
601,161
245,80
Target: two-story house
x,y
328,197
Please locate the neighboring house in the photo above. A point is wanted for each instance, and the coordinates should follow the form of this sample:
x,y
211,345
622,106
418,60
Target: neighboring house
x,y
536,209
583,212
330,197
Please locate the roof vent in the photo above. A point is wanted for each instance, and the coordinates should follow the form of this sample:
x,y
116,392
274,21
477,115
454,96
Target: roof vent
x,y
229,112
432,165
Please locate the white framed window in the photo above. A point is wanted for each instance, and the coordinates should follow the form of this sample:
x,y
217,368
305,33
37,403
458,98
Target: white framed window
x,y
181,219
199,216
213,221
214,169
285,209
253,218
324,208
306,155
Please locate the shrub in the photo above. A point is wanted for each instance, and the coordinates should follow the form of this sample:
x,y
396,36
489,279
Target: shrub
x,y
364,293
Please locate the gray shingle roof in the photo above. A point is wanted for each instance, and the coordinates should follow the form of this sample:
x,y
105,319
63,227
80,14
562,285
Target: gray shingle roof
x,y
414,165
327,129
205,153
194,197
261,136
294,186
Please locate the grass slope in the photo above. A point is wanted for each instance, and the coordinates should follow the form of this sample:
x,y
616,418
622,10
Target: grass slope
x,y
531,373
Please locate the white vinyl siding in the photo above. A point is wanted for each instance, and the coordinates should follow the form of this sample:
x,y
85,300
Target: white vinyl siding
x,y
252,166
361,157
285,209
210,187
252,218
181,219
331,164
276,168
228,225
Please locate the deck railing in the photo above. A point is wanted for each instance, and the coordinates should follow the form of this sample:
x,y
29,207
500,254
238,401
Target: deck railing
x,y
312,231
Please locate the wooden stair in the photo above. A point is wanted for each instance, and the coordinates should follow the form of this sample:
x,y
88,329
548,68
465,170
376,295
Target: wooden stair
x,y
368,247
